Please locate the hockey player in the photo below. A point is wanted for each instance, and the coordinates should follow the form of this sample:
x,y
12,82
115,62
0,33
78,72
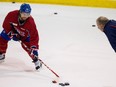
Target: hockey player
x,y
109,28
19,25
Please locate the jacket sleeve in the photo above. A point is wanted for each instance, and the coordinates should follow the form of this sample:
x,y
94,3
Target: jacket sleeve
x,y
111,35
6,24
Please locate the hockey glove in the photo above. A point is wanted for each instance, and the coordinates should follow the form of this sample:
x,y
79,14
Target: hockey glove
x,y
34,55
34,52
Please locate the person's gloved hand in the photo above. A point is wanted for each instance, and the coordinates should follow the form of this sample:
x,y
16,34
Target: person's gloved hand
x,y
34,52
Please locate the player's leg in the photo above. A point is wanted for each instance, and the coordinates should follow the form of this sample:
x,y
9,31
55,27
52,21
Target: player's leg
x,y
4,38
3,48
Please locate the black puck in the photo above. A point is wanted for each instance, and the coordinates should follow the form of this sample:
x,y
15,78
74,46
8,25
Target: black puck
x,y
13,2
62,84
55,13
93,26
66,83
54,81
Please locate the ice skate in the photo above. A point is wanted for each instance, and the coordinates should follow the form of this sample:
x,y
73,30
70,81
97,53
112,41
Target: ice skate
x,y
2,57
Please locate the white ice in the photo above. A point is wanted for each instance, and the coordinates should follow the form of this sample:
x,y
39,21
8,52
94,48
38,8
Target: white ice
x,y
79,53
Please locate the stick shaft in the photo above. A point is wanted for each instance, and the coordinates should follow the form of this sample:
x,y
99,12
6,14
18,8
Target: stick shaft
x,y
44,63
50,69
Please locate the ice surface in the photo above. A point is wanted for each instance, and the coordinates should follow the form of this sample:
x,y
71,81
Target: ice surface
x,y
79,53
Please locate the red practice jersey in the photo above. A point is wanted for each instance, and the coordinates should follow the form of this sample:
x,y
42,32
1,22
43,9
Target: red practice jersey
x,y
24,30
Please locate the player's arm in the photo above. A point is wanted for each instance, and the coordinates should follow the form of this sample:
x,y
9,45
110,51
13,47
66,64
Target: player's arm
x,y
34,46
6,28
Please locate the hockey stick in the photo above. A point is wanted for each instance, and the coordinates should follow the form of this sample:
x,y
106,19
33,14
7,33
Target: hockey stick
x,y
43,62
49,69
12,25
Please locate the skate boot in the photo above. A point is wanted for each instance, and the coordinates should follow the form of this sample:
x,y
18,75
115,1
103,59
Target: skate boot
x,y
37,63
2,57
